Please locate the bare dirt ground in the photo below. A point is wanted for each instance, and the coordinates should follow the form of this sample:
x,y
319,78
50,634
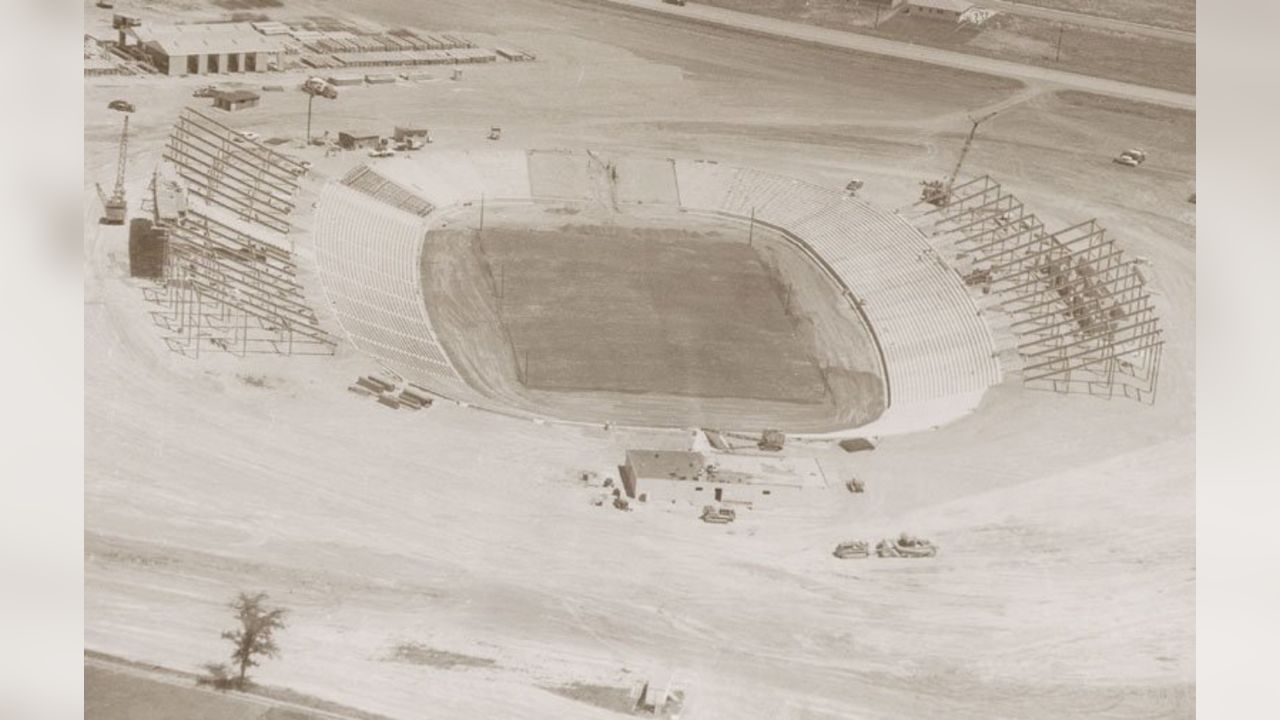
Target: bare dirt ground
x,y
647,317
679,312
1065,586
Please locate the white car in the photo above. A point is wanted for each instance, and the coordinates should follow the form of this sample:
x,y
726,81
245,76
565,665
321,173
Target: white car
x,y
249,135
382,152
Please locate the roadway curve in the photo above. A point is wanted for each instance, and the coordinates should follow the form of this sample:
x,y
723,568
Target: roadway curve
x,y
893,48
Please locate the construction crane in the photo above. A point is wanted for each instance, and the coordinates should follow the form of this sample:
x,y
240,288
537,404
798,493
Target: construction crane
x,y
938,192
115,207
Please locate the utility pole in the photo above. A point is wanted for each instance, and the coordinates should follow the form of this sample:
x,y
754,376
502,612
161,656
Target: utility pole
x,y
310,99
1058,55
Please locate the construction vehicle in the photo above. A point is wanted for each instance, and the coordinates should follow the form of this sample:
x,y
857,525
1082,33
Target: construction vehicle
x,y
205,91
106,4
495,133
852,549
1136,154
406,144
115,206
318,86
772,440
906,546
853,187
856,486
718,516
121,106
938,192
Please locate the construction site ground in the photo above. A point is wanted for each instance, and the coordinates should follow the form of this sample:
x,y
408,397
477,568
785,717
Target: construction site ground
x,y
1065,581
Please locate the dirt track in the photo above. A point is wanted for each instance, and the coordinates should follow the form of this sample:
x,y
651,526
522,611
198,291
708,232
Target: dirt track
x,y
1065,586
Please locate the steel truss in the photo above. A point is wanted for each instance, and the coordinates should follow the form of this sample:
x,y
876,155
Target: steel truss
x,y
1081,311
225,169
226,290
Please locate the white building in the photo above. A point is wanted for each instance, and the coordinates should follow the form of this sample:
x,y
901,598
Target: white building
x,y
948,10
687,476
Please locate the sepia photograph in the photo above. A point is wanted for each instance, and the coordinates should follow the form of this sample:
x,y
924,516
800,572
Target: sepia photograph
x,y
681,359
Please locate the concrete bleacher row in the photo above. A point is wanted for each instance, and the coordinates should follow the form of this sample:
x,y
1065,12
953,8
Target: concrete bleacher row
x,y
376,186
934,343
367,255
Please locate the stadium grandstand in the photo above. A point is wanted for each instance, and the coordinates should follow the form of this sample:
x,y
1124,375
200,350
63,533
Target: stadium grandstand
x,y
936,350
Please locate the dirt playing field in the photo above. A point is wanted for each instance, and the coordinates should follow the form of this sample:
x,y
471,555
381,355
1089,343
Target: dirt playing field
x,y
647,317
679,312
1065,585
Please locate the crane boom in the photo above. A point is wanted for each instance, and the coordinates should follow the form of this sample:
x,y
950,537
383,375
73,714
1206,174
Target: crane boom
x,y
965,150
120,161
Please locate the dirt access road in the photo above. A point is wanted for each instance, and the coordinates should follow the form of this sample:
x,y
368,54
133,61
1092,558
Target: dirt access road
x,y
893,48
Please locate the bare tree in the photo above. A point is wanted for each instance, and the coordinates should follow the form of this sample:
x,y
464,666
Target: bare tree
x,y
255,637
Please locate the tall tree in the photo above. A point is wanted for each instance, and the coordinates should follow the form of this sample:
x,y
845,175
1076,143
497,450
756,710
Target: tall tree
x,y
255,637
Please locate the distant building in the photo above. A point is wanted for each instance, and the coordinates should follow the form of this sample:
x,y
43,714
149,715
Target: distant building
x,y
883,4
232,100
203,48
948,10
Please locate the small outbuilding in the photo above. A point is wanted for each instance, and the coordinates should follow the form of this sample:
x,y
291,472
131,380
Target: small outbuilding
x,y
947,10
233,100
667,476
358,141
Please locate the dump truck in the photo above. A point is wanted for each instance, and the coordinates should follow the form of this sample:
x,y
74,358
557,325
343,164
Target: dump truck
x,y
495,133
906,546
719,516
852,549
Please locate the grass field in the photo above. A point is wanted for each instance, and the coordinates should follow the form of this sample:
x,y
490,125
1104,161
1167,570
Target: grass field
x,y
1176,14
111,695
646,310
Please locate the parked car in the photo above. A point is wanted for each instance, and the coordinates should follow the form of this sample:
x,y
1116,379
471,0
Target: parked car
x,y
121,105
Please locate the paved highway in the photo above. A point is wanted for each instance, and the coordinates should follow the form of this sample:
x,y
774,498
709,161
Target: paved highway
x,y
894,48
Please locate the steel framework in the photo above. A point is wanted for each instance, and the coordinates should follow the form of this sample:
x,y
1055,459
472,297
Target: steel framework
x,y
1081,310
224,168
226,285
225,290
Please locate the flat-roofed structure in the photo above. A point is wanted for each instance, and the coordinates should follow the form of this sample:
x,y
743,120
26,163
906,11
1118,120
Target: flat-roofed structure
x,y
670,476
232,100
205,48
